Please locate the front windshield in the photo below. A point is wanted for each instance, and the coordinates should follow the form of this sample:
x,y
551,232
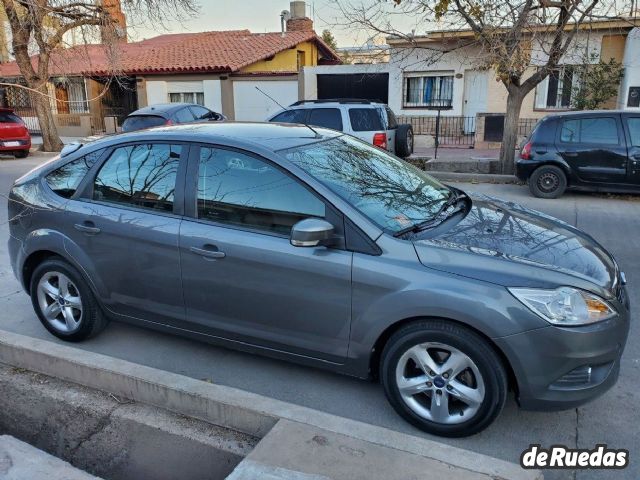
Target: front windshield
x,y
392,193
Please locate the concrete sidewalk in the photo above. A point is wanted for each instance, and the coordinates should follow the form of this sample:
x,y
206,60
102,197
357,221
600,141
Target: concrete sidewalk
x,y
296,442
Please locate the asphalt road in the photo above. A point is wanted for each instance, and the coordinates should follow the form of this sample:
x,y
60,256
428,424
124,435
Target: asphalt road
x,y
613,419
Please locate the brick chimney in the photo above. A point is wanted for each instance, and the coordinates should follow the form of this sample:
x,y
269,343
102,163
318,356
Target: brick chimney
x,y
299,20
119,29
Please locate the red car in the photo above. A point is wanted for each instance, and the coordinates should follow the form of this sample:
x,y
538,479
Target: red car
x,y
14,135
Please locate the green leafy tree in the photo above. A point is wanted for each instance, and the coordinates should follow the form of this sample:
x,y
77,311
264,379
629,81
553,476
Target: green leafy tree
x,y
329,39
599,83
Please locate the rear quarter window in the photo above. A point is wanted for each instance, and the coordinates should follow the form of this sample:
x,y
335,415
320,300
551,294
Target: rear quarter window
x,y
138,122
290,116
365,119
64,181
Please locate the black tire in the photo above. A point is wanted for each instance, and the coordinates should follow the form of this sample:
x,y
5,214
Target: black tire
x,y
404,140
548,181
91,320
21,153
486,362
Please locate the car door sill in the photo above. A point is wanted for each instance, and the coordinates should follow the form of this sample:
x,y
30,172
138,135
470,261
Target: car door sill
x,y
128,318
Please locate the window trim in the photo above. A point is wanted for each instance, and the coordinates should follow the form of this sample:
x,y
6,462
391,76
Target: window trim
x,y
332,214
82,185
440,74
85,189
615,118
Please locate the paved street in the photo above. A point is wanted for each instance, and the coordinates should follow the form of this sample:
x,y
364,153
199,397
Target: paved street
x,y
612,419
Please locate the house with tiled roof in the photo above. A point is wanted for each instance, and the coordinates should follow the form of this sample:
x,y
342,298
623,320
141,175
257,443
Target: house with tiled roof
x,y
219,70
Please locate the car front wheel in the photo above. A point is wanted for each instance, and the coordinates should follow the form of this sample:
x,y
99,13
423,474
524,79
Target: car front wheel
x,y
443,378
64,302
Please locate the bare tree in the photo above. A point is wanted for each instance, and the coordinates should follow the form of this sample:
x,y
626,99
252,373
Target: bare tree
x,y
39,29
522,41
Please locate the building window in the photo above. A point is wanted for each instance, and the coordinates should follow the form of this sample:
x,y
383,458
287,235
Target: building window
x,y
557,90
187,97
429,91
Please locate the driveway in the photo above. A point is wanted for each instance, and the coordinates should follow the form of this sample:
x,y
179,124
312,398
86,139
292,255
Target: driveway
x,y
611,419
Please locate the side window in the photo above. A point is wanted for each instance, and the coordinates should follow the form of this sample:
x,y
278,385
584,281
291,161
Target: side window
x,y
65,180
602,130
365,119
570,132
200,113
139,175
290,116
184,115
634,130
241,190
326,117
391,119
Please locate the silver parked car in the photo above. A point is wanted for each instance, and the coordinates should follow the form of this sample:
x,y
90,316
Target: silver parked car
x,y
373,122
316,247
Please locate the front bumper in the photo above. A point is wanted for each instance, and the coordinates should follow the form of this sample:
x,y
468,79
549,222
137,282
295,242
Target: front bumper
x,y
558,368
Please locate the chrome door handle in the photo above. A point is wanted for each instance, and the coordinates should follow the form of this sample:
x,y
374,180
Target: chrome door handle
x,y
92,230
207,253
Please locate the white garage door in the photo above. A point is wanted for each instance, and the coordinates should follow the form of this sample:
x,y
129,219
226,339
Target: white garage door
x,y
252,105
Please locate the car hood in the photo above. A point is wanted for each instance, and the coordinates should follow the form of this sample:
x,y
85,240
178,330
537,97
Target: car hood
x,y
516,236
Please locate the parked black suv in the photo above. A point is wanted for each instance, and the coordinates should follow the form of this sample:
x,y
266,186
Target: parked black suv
x,y
588,150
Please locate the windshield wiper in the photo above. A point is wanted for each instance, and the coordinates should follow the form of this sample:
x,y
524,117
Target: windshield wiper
x,y
453,199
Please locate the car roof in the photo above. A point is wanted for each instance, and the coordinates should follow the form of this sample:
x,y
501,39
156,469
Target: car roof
x,y
580,113
332,102
252,136
162,108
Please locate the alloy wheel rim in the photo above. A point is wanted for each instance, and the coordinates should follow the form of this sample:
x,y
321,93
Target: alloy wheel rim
x,y
60,302
440,383
410,141
548,182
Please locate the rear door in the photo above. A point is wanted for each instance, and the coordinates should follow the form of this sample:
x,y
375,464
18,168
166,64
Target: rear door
x,y
366,122
632,127
126,221
326,118
594,147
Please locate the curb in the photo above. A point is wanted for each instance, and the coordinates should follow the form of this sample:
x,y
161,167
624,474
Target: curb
x,y
225,406
475,177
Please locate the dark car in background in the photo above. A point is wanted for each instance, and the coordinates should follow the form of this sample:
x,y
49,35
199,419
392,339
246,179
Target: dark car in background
x,y
14,134
316,247
169,114
587,150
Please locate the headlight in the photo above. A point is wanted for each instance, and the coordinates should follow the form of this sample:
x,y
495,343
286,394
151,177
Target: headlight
x,y
565,306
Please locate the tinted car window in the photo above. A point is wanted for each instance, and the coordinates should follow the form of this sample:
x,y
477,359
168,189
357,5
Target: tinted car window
x,y
6,117
634,130
590,130
326,117
200,113
65,180
184,115
365,119
290,116
139,175
241,190
138,122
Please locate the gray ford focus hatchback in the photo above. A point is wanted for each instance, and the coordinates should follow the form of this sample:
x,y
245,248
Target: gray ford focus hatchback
x,y
313,246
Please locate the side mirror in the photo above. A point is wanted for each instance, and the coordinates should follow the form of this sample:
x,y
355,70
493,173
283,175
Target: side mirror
x,y
311,232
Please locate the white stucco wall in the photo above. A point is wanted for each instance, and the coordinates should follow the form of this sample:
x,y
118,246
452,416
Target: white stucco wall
x,y
631,64
251,105
156,92
212,95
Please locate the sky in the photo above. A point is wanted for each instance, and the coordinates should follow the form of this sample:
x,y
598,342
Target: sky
x,y
258,16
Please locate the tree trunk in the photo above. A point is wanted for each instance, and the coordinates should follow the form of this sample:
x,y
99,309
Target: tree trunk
x,y
510,135
50,139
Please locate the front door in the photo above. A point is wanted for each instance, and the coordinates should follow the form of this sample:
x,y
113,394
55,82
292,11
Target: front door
x,y
124,222
242,278
594,148
475,97
632,124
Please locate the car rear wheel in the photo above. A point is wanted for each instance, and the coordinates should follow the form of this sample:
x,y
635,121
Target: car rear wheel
x,y
443,378
404,140
64,302
548,181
